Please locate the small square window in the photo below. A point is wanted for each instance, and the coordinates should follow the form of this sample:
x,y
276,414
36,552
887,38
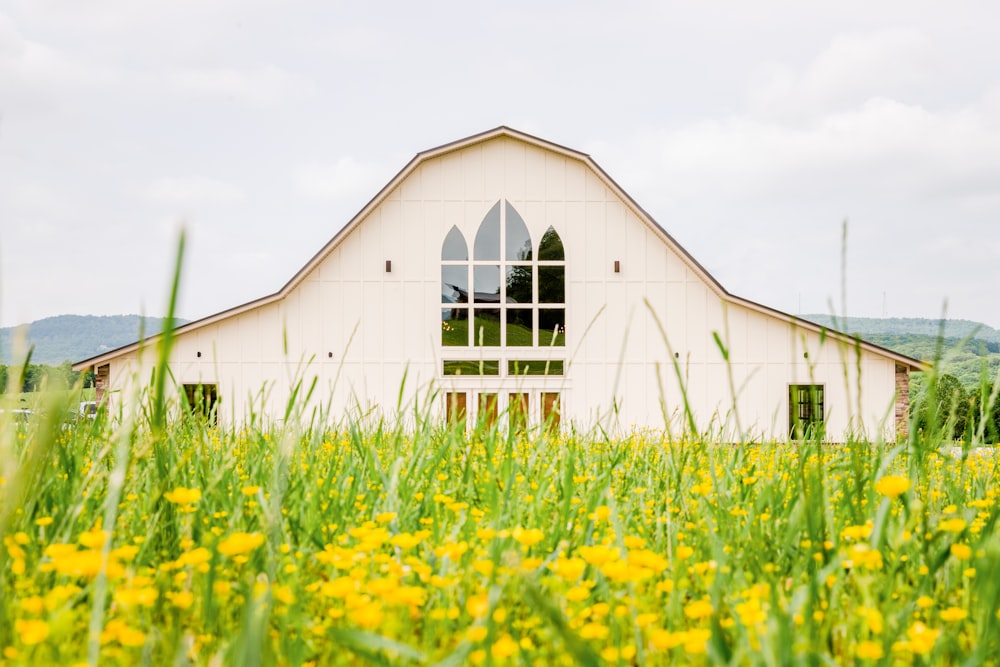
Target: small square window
x,y
806,411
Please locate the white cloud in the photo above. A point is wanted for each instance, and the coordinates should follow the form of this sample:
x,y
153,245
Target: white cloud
x,y
882,145
31,66
261,85
853,69
190,191
344,178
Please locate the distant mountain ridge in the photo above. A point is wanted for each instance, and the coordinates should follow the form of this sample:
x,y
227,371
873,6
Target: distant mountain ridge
x,y
967,350
76,337
900,326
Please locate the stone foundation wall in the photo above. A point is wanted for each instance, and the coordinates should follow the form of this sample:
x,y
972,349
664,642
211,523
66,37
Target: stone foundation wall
x,y
902,402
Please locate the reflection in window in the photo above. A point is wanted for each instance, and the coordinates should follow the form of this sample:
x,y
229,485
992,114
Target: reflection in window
x,y
518,238
520,327
486,327
454,247
487,282
535,367
487,413
488,237
519,283
517,411
551,410
551,247
552,327
472,367
455,408
552,284
455,327
455,284
507,295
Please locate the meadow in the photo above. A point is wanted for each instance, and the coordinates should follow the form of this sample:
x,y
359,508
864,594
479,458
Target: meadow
x,y
151,539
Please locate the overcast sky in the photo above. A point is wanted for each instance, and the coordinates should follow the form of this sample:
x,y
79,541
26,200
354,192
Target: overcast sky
x,y
749,130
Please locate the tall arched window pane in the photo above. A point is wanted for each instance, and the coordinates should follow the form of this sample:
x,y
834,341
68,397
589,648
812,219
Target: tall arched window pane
x,y
551,284
486,283
455,284
551,247
487,245
454,247
518,238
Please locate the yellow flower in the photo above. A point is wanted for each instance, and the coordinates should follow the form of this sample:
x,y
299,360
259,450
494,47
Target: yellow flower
x,y
570,569
503,647
250,490
953,525
892,486
181,599
183,496
144,596
953,614
240,543
598,554
33,605
31,632
477,605
44,521
697,640
698,609
922,638
528,537
869,650
93,538
195,557
961,551
663,640
594,631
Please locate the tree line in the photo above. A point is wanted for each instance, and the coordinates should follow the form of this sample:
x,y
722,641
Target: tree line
x,y
959,411
36,376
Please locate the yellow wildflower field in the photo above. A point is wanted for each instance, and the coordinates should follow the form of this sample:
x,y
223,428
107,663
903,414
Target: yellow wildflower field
x,y
428,546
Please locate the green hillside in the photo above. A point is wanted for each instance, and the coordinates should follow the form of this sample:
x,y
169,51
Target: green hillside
x,y
76,337
897,326
966,349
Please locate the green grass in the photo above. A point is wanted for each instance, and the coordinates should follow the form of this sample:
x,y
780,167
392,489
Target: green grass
x,y
144,537
456,332
362,544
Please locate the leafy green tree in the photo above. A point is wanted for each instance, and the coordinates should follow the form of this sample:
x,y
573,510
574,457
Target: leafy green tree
x,y
978,415
943,405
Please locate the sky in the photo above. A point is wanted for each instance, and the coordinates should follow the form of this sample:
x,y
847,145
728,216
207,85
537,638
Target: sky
x,y
754,132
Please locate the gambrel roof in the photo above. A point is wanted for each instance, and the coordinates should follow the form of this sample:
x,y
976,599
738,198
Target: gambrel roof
x,y
507,132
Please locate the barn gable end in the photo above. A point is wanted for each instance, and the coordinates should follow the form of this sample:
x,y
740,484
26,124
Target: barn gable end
x,y
623,328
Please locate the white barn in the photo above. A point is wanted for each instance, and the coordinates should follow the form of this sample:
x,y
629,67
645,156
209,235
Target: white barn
x,y
502,276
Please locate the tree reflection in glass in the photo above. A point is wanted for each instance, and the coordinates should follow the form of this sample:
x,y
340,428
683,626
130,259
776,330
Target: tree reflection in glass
x,y
552,327
551,247
551,284
519,327
519,284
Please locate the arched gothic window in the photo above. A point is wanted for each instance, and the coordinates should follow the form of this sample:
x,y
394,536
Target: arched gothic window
x,y
512,293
